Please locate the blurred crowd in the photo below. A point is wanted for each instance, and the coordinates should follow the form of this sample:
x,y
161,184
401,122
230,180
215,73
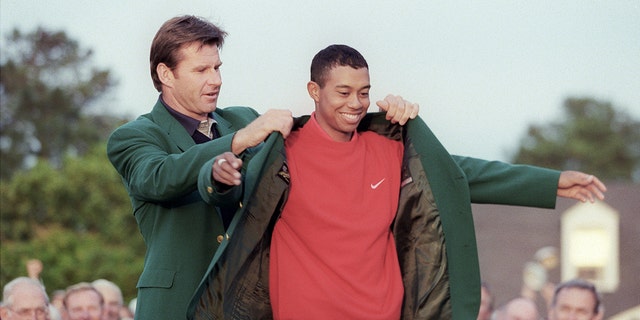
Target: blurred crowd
x,y
570,300
26,298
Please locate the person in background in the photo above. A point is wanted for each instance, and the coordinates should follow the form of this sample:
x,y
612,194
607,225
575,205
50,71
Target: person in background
x,y
112,296
132,305
57,302
24,298
576,300
346,217
518,309
486,303
84,302
34,271
126,313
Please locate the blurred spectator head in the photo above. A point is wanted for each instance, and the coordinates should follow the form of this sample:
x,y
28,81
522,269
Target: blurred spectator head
x,y
486,303
24,298
519,309
576,299
112,296
83,302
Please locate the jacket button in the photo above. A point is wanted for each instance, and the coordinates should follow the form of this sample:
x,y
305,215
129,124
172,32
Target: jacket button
x,y
220,238
210,190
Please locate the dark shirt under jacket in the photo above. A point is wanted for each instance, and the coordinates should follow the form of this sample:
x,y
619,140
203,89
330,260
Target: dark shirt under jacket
x,y
191,125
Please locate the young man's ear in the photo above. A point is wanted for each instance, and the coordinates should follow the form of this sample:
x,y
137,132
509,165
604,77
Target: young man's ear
x,y
165,74
314,90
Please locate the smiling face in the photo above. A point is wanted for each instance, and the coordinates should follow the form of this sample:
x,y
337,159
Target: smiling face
x,y
193,86
84,305
342,102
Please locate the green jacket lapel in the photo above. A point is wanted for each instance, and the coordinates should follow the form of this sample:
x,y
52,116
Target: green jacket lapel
x,y
224,127
172,127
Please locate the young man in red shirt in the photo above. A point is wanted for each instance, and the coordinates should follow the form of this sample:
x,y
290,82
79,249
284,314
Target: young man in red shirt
x,y
333,252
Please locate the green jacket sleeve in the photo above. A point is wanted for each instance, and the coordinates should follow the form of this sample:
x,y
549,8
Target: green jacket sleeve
x,y
143,156
497,182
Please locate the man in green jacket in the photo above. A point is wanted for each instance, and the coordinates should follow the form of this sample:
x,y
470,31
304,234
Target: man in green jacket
x,y
159,155
294,235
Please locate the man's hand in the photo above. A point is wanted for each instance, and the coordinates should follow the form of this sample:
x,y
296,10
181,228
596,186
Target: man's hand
x,y
34,268
260,128
398,109
580,186
226,169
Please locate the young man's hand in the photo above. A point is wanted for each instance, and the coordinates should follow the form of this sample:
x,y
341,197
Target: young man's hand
x,y
580,186
398,109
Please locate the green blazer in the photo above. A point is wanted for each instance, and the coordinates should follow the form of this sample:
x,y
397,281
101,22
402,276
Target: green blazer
x,y
434,229
159,164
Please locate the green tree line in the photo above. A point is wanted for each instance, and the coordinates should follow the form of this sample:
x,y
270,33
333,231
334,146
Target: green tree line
x,y
592,136
48,88
76,219
61,201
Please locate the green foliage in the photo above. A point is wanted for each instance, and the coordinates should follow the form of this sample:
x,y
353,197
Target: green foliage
x,y
47,88
76,219
70,257
594,138
61,201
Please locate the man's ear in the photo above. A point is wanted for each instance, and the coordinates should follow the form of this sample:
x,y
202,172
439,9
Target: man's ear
x,y
314,90
165,74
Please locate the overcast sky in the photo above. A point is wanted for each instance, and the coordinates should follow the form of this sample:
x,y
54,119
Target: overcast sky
x,y
482,71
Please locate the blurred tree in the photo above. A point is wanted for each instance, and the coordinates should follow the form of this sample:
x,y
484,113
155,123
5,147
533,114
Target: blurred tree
x,y
594,137
76,219
69,209
47,89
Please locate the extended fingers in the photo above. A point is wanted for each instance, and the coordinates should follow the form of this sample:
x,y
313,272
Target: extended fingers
x,y
586,193
597,188
599,185
577,192
593,188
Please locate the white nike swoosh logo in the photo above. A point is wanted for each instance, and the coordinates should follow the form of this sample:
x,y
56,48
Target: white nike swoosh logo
x,y
374,186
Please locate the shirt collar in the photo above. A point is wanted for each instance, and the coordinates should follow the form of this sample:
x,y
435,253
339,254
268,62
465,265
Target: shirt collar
x,y
190,124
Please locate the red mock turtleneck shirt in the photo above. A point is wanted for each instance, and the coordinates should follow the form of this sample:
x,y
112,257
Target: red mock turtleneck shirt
x,y
333,255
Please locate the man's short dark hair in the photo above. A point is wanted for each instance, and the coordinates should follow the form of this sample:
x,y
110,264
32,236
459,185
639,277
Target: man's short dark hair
x,y
334,56
578,284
